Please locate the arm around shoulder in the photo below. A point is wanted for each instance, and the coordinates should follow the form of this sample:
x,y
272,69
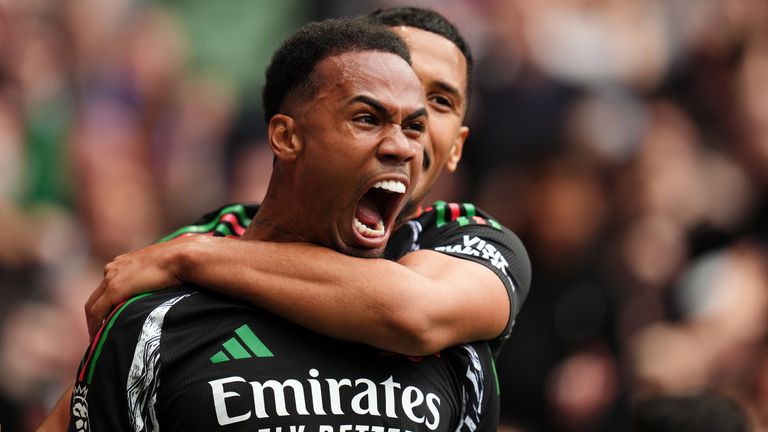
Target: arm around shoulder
x,y
425,302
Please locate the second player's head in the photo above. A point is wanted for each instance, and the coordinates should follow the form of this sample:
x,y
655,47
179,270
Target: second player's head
x,y
443,62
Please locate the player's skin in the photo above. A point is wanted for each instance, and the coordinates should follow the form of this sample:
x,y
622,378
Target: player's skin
x,y
418,305
377,118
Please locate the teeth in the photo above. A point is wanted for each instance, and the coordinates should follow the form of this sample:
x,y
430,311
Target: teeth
x,y
370,233
391,186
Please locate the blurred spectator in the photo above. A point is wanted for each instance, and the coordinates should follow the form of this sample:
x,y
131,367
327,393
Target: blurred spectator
x,y
702,412
722,305
561,368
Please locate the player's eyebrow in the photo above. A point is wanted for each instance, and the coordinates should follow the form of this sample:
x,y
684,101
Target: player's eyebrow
x,y
416,114
453,91
373,103
383,112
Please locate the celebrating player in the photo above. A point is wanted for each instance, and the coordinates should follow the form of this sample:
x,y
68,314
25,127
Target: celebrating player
x,y
454,274
190,360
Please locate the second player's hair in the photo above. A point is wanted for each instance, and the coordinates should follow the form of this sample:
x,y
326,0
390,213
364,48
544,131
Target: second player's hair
x,y
427,20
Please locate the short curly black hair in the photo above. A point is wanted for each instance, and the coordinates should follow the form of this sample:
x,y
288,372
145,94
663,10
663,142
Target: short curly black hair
x,y
292,64
427,20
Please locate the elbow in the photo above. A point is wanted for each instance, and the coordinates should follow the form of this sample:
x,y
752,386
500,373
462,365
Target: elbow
x,y
416,334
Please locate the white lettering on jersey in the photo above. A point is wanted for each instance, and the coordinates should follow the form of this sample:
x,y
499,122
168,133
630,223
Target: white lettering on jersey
x,y
475,246
220,404
370,399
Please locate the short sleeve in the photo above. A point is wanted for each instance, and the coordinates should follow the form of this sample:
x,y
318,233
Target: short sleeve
x,y
462,231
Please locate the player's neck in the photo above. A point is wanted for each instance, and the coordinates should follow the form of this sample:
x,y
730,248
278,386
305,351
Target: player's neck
x,y
270,224
272,220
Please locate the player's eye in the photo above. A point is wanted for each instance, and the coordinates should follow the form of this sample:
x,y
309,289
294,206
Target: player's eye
x,y
417,126
414,129
441,102
366,119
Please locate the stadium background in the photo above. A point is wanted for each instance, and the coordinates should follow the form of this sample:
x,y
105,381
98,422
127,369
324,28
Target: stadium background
x,y
625,141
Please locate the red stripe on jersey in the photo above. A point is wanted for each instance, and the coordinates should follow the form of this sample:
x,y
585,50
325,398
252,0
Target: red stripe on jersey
x,y
455,211
232,219
96,341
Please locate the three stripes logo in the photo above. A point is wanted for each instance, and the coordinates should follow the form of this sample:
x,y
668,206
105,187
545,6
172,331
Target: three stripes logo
x,y
245,344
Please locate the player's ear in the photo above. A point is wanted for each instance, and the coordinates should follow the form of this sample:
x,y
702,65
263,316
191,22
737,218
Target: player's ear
x,y
285,137
458,147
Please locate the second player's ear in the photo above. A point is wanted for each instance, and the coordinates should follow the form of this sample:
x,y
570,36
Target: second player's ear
x,y
458,147
285,137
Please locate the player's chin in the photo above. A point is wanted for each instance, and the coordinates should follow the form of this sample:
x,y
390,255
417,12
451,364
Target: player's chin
x,y
367,253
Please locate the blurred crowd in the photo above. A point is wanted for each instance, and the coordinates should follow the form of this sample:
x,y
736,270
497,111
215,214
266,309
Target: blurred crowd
x,y
625,141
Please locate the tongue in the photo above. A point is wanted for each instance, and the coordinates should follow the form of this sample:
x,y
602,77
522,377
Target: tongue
x,y
367,212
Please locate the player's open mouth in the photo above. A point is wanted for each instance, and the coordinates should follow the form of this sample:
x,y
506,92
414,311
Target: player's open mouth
x,y
377,209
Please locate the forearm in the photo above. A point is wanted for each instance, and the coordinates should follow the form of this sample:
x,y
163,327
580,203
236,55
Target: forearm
x,y
425,302
362,300
58,419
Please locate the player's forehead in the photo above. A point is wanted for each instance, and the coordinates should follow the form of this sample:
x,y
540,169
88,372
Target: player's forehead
x,y
435,58
385,77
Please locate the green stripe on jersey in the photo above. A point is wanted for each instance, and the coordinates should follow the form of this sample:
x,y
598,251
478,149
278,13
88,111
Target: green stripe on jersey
x,y
223,228
440,208
106,332
239,209
469,210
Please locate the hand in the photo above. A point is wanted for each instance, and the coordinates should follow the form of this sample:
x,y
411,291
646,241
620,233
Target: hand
x,y
149,269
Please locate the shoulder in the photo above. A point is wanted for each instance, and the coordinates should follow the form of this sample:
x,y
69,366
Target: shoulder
x,y
112,374
137,310
466,231
122,330
228,220
463,231
443,215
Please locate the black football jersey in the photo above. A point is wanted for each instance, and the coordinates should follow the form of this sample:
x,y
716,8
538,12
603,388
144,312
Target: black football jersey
x,y
188,360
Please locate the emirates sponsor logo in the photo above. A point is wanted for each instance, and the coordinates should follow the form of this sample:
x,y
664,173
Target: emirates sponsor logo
x,y
292,397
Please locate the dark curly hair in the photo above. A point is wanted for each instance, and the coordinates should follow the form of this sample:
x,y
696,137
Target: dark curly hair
x,y
292,64
427,20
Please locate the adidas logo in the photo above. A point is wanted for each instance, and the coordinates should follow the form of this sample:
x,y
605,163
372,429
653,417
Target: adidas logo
x,y
236,350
